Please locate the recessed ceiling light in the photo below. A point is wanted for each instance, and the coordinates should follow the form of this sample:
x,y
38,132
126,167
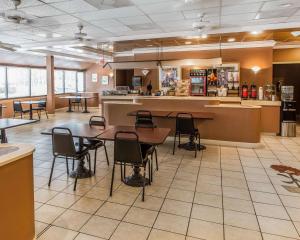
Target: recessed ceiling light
x,y
230,39
150,45
44,35
204,36
56,35
256,32
188,42
296,33
286,5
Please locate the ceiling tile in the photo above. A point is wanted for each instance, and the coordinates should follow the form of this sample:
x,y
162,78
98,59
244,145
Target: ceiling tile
x,y
276,13
74,6
280,5
42,11
135,19
174,16
48,21
108,13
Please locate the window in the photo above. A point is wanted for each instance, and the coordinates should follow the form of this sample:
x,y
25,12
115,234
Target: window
x,y
70,81
59,81
2,82
18,82
38,82
80,82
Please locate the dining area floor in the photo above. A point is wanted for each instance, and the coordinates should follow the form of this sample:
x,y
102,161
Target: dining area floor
x,y
226,193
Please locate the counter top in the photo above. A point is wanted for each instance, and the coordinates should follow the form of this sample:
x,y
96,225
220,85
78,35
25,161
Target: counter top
x,y
261,103
233,106
13,152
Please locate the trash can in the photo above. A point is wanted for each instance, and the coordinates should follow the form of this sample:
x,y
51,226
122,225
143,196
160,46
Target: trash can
x,y
288,129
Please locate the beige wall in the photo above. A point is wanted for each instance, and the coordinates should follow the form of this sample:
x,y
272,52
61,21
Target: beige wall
x,y
97,86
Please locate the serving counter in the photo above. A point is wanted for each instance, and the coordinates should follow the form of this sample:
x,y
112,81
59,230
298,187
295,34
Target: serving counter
x,y
234,120
16,186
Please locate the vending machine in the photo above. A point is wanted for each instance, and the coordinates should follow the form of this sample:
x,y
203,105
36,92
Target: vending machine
x,y
198,82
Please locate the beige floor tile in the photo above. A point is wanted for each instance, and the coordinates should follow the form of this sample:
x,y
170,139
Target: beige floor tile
x,y
141,216
98,193
272,211
177,207
236,193
87,205
82,236
205,230
208,199
294,213
58,233
171,223
180,195
277,227
151,203
100,227
44,195
123,197
130,231
209,188
156,191
71,219
238,205
113,210
39,227
240,219
234,233
48,213
275,237
163,235
81,189
290,201
64,200
37,205
58,185
262,197
261,187
207,213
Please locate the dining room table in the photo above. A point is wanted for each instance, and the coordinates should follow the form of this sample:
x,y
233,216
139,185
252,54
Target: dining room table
x,y
70,98
152,136
81,131
6,123
31,103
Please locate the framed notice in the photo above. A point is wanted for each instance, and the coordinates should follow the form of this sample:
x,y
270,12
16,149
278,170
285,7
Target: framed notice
x,y
94,77
104,80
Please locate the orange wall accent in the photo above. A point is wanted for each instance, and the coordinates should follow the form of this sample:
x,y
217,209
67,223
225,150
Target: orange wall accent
x,y
290,55
246,57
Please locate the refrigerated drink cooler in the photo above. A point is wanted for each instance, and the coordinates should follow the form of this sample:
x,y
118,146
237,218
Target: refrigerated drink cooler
x,y
198,82
288,112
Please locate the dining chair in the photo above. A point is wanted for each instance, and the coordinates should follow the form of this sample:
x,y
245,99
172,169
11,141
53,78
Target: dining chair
x,y
185,126
128,152
95,143
42,106
17,106
63,146
77,102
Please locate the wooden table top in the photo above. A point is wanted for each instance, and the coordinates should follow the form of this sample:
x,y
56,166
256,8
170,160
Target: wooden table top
x,y
80,130
153,136
153,113
11,122
77,97
32,102
196,115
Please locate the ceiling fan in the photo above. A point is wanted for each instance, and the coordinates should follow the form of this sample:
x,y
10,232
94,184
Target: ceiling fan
x,y
8,46
201,25
15,15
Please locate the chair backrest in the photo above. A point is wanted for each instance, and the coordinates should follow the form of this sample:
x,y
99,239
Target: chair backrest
x,y
42,103
185,123
77,99
127,148
62,142
97,121
17,106
144,119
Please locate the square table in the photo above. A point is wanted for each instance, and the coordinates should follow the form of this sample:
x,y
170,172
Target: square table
x,y
161,114
30,103
77,97
80,131
151,136
6,123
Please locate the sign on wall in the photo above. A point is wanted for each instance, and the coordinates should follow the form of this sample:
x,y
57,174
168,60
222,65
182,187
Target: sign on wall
x,y
94,77
104,80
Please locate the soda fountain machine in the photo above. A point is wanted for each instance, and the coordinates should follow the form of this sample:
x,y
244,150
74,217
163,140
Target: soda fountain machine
x,y
198,82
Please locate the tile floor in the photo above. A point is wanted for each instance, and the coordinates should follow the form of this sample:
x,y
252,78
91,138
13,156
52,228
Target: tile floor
x,y
225,193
